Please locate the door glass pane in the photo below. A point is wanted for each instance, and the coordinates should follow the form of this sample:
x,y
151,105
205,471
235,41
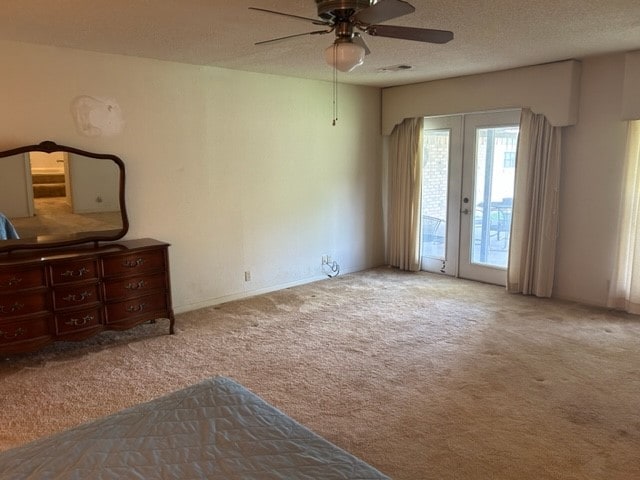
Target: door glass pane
x,y
493,195
435,175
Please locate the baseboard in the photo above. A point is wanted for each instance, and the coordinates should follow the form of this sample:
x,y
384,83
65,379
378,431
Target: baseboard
x,y
260,291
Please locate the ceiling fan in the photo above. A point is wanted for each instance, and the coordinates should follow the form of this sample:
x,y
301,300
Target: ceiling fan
x,y
347,18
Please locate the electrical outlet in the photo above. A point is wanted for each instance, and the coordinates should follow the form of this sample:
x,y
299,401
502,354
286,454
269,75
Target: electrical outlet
x,y
247,276
325,259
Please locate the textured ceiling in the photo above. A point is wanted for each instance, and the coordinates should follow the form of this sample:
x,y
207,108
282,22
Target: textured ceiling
x,y
489,34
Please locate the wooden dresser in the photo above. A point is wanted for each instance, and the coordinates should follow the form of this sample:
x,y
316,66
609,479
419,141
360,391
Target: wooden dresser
x,y
72,293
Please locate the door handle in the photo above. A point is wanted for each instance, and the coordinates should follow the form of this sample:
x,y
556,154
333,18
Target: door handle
x,y
465,200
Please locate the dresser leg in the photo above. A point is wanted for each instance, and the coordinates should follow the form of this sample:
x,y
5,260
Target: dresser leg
x,y
172,321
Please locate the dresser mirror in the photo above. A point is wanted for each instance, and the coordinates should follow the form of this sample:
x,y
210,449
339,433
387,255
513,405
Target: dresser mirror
x,y
52,195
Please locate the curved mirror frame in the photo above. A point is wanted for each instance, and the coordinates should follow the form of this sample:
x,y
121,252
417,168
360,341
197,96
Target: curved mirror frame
x,y
53,196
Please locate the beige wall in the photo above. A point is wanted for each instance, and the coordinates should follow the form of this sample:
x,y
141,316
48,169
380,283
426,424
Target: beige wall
x,y
49,162
238,171
91,179
15,187
551,89
631,86
593,155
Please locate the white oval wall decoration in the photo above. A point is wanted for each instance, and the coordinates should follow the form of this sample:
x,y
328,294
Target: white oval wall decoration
x,y
97,117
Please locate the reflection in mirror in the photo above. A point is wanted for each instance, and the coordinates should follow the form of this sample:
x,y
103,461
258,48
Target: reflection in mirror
x,y
54,195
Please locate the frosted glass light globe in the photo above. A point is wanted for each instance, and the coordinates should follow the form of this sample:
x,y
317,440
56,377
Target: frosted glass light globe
x,y
345,56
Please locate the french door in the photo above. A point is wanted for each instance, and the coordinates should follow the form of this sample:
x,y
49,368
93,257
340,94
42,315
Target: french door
x,y
467,194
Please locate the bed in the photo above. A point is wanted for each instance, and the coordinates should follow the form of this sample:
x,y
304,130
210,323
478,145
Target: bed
x,y
216,429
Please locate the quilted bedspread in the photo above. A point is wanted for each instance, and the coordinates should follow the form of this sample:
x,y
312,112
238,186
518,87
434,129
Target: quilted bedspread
x,y
216,429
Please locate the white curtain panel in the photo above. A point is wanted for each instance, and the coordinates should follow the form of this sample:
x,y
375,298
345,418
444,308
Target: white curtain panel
x,y
534,224
405,185
624,293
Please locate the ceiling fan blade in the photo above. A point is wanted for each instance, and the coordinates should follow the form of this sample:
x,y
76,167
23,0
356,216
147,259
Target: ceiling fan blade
x,y
315,21
273,40
358,40
426,35
382,11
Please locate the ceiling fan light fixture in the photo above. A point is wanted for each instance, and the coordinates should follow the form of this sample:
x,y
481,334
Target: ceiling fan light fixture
x,y
344,55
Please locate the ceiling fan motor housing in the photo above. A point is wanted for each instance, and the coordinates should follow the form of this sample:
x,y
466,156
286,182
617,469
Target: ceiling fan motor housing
x,y
331,10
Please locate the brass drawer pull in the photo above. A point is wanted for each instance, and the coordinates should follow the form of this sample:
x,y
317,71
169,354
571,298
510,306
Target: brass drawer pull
x,y
136,286
77,298
17,333
16,307
133,308
78,322
13,281
133,263
79,273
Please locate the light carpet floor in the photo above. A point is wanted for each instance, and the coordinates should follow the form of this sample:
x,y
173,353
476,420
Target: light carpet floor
x,y
422,376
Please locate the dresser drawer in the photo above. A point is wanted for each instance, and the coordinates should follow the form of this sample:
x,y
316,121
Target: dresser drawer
x,y
134,263
21,331
133,286
74,271
23,304
21,279
78,320
75,295
136,307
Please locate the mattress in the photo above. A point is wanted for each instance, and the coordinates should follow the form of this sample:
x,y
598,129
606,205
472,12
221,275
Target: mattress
x,y
216,429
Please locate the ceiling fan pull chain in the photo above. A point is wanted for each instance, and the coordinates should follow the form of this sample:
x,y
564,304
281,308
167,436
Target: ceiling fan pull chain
x,y
335,86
